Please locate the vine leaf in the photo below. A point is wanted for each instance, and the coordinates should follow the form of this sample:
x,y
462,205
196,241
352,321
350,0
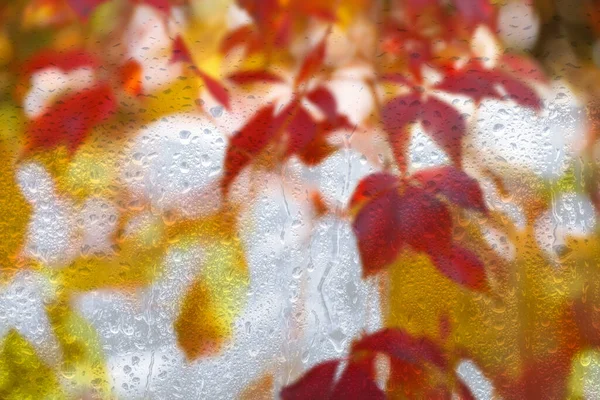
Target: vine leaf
x,y
181,53
479,83
440,121
454,184
413,360
396,213
314,385
71,118
247,143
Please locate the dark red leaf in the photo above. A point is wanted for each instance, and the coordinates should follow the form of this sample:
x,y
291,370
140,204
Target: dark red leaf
x,y
70,120
323,98
312,63
396,116
302,130
379,232
65,61
463,392
519,92
216,89
180,52
250,77
247,143
424,222
444,124
462,266
402,346
316,384
83,8
372,186
400,111
454,184
357,382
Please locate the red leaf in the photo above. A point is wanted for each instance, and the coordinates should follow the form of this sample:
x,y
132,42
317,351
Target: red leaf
x,y
238,37
372,186
323,98
476,12
302,130
217,91
247,143
312,63
444,124
64,61
180,52
379,232
479,83
83,8
454,184
523,67
473,81
424,222
70,119
316,151
316,384
357,382
251,77
463,392
402,346
520,92
215,88
263,12
396,115
462,266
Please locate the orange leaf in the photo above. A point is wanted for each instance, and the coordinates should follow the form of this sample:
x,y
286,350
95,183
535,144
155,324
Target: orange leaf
x,y
130,75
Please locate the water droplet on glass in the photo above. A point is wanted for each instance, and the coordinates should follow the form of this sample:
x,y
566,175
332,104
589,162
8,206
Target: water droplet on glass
x,y
184,136
216,111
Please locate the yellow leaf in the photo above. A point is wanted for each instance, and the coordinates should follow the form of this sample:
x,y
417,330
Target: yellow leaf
x,y
23,375
217,296
83,363
15,210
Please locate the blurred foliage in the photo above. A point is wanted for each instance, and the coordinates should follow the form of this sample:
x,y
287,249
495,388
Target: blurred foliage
x,y
525,316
